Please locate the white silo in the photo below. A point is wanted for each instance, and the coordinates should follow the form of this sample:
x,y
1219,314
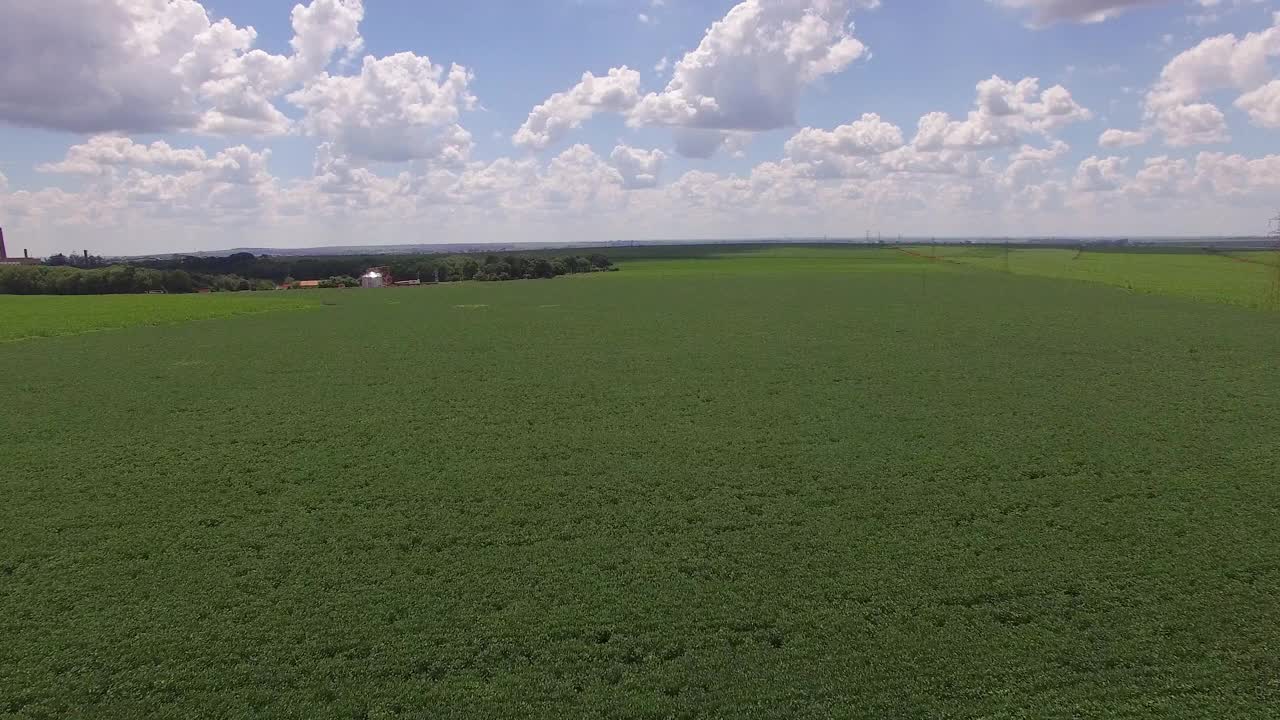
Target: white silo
x,y
371,279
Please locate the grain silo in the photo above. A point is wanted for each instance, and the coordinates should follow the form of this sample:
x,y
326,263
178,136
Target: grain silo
x,y
371,279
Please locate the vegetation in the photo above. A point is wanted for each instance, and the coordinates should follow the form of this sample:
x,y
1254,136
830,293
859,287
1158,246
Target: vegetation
x,y
340,281
32,317
1240,278
791,482
85,261
427,268
74,275
115,280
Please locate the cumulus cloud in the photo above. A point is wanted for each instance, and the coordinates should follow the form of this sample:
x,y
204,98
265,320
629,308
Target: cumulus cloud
x,y
1005,112
108,156
617,91
155,65
1262,105
1192,124
578,179
911,159
1160,176
402,107
867,136
1096,174
1174,104
638,168
243,90
746,75
751,66
127,182
1113,138
108,64
1032,165
844,150
698,143
1048,12
1235,178
104,153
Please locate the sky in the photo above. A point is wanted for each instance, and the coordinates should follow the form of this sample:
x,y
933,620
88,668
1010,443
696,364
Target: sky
x,y
161,126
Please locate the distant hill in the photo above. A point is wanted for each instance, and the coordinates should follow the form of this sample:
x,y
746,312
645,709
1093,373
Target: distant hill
x,y
463,248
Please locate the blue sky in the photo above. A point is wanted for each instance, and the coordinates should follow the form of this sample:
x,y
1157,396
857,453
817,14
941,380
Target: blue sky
x,y
202,135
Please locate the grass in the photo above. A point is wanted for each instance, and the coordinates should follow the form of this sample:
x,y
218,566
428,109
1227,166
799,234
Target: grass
x,y
932,491
32,316
1248,279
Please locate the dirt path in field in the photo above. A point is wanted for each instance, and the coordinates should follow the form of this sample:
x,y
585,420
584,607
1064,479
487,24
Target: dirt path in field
x,y
935,258
1245,260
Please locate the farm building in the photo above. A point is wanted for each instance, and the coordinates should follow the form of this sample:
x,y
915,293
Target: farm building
x,y
307,284
371,279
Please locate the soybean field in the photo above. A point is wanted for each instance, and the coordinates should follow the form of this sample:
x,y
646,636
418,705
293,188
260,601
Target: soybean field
x,y
800,482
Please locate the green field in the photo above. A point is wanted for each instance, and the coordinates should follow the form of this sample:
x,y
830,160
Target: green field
x,y
763,483
33,316
1250,279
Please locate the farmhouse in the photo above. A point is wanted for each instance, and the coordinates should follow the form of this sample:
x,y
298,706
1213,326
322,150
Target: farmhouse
x,y
307,284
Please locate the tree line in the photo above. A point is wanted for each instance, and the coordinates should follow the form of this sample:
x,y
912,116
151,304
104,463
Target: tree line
x,y
427,268
116,280
77,275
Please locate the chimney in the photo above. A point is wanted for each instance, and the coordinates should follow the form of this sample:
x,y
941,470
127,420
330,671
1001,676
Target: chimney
x,y
3,255
26,254
86,254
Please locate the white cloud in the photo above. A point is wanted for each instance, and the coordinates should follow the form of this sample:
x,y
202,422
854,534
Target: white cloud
x,y
402,107
751,66
617,91
1113,138
1005,113
1174,104
1235,178
699,144
1262,104
639,168
1047,12
1096,174
109,64
910,159
155,65
320,30
102,154
845,150
579,180
243,90
868,135
936,131
131,184
1193,124
1030,166
1160,176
